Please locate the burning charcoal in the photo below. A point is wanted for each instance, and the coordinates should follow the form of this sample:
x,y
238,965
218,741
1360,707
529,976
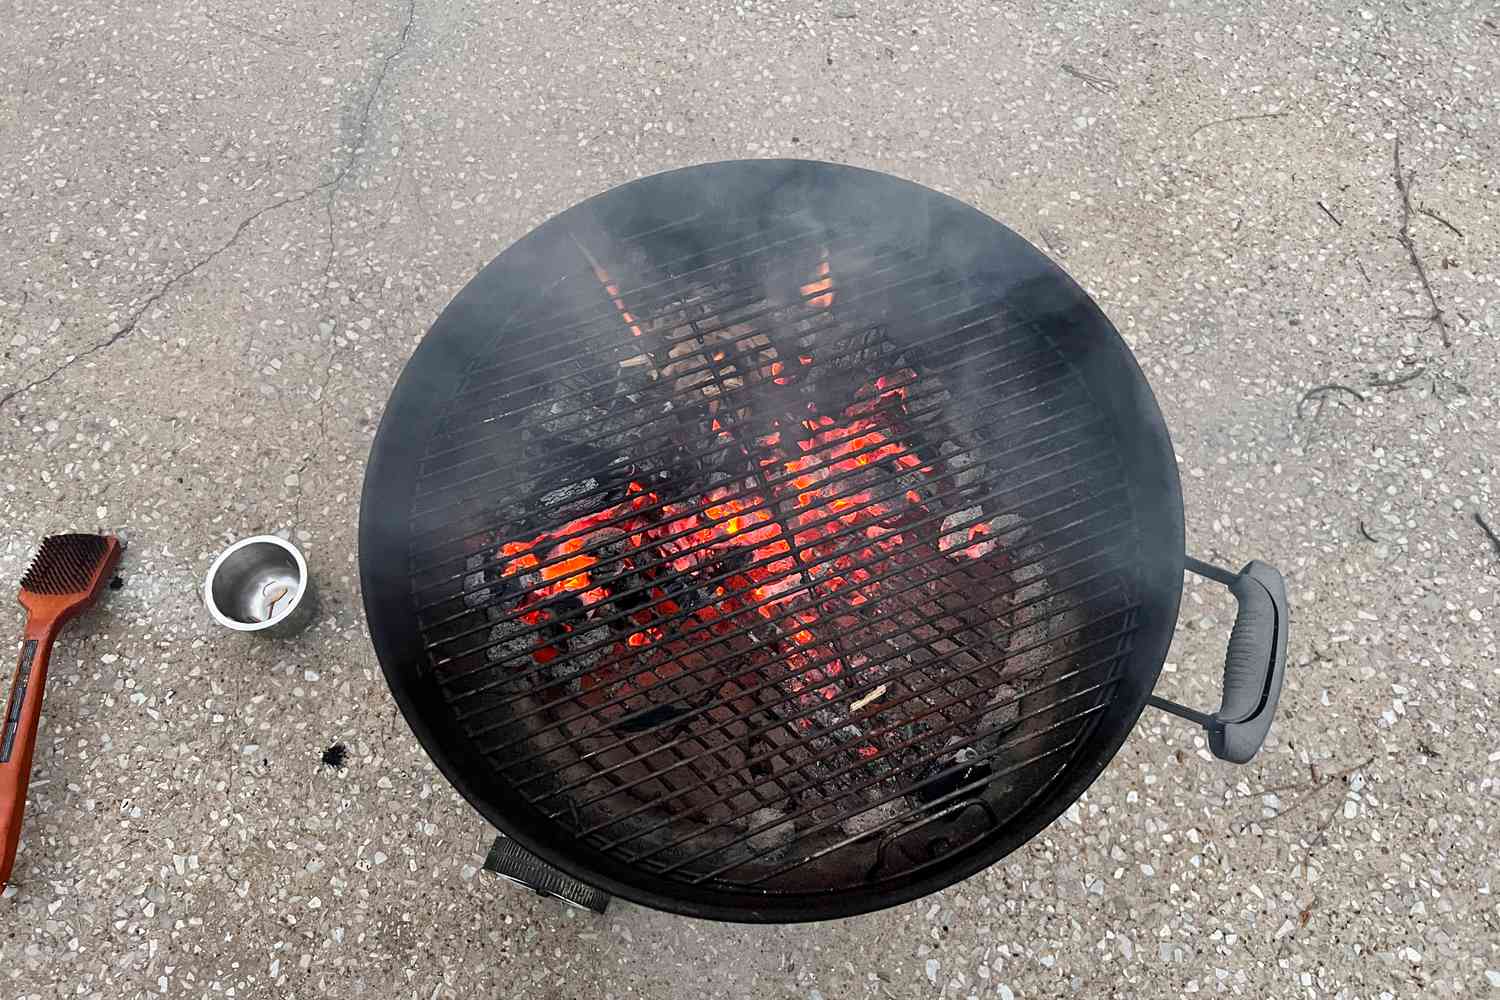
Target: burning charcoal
x,y
1012,526
634,383
955,527
477,594
874,818
565,605
1031,576
630,593
572,491
957,455
689,367
1002,716
510,649
681,590
568,420
849,734
733,569
772,836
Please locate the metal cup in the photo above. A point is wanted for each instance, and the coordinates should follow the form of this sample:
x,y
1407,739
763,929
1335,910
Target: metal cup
x,y
260,585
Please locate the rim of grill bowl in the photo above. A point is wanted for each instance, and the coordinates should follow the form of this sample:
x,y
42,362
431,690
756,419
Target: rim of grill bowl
x,y
461,339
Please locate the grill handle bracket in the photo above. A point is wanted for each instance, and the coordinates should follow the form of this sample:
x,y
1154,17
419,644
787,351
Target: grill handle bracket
x,y
1253,666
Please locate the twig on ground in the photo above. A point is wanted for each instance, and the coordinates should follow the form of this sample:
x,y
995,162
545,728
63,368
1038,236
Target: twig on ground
x,y
1488,531
1237,118
1290,786
1319,391
1341,775
1322,833
1366,532
1433,215
1102,84
1366,274
1291,810
1403,236
1328,782
1397,384
1317,784
1331,216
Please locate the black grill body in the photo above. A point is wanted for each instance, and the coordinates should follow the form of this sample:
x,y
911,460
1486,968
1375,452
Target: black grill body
x,y
771,541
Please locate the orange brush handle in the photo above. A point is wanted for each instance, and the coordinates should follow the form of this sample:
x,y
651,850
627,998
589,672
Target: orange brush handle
x,y
18,728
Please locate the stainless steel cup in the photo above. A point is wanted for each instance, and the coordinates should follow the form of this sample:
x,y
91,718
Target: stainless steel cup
x,y
260,585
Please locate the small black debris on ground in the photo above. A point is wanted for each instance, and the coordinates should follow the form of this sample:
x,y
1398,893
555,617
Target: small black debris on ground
x,y
336,756
117,583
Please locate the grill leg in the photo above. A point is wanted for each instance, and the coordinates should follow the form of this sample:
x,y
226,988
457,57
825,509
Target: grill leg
x,y
514,863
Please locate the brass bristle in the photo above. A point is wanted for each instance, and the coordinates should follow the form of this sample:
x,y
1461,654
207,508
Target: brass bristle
x,y
65,564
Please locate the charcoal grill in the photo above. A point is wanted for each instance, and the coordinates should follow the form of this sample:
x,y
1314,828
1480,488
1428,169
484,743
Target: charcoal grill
x,y
777,540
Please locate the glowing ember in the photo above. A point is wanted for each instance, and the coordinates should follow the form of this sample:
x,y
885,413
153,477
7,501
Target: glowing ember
x,y
793,558
823,285
611,289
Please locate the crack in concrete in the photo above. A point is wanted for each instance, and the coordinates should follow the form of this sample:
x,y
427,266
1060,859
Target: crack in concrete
x,y
131,321
385,67
333,246
361,133
331,185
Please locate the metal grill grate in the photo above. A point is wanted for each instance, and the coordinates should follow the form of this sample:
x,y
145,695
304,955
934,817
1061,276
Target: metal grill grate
x,y
788,562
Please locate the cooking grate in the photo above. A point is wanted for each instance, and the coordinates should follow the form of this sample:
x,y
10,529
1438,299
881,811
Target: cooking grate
x,y
790,562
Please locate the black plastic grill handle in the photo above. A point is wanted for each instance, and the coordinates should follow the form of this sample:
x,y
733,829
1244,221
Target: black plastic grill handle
x,y
1253,665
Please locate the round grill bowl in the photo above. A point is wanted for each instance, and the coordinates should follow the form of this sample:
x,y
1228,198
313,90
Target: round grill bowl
x,y
642,602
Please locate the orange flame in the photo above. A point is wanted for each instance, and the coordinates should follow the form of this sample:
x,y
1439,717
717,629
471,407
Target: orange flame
x,y
610,288
823,285
613,291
